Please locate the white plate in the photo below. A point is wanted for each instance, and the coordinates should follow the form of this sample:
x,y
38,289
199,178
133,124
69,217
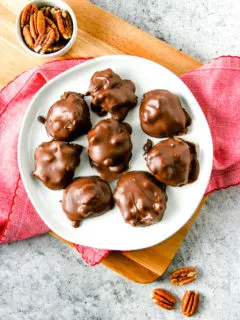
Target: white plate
x,y
109,231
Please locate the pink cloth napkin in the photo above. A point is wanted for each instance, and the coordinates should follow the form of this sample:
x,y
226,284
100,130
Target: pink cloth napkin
x,y
215,86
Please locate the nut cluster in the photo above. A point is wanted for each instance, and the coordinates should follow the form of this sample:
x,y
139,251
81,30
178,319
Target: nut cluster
x,y
190,300
45,30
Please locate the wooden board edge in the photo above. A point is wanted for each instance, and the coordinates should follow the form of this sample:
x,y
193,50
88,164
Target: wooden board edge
x,y
128,268
106,27
121,265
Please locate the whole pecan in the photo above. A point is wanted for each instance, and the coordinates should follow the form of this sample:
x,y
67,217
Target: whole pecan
x,y
190,303
52,25
164,299
183,276
28,37
64,23
44,41
26,13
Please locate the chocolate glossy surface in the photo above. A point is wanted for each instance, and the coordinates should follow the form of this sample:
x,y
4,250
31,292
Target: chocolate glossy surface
x,y
173,162
85,197
68,118
110,148
161,114
55,163
112,94
147,146
141,198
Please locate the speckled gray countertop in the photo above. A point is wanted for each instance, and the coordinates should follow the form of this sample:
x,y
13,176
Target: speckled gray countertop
x,y
43,279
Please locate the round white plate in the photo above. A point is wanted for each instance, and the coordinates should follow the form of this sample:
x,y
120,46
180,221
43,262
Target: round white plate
x,y
109,231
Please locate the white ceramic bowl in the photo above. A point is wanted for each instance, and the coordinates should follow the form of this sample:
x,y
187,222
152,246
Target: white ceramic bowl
x,y
48,3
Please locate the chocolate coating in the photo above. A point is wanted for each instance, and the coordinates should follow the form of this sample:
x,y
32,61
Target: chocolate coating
x,y
147,146
86,196
110,148
55,163
140,198
41,119
161,114
173,162
68,118
112,94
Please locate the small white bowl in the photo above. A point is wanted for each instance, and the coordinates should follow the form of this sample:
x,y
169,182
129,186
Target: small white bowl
x,y
48,3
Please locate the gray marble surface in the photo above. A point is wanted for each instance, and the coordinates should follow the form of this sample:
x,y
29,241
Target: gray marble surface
x,y
44,279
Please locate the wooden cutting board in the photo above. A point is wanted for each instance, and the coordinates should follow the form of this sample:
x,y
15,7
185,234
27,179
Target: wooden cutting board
x,y
101,33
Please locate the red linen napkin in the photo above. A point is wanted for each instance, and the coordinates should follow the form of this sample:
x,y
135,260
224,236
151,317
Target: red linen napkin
x,y
215,86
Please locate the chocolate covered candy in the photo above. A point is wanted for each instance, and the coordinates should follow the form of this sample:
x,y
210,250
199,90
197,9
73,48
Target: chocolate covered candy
x,y
55,163
68,118
85,197
173,162
141,198
110,148
161,114
112,94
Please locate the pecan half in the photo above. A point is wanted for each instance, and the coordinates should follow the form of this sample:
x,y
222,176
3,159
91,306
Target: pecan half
x,y
46,11
28,37
41,22
190,303
44,41
55,48
26,13
53,12
64,23
33,25
183,276
52,25
164,299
